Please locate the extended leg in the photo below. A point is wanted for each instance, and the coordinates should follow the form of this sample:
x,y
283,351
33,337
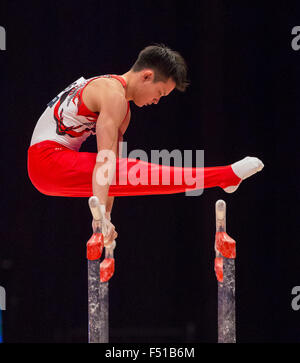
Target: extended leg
x,y
59,171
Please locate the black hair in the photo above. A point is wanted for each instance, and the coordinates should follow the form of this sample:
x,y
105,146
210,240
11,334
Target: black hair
x,y
165,62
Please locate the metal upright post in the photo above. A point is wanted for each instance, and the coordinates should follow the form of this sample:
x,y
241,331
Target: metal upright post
x,y
225,248
107,269
99,275
94,252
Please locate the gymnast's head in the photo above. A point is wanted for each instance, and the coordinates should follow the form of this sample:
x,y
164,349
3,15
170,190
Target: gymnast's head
x,y
157,71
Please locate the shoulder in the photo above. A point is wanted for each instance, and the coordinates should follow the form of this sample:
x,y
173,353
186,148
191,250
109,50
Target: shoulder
x,y
108,93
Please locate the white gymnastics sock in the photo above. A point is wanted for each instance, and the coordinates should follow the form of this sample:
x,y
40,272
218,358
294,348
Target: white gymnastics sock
x,y
244,169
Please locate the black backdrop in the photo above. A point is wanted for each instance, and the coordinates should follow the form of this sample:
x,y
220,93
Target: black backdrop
x,y
242,101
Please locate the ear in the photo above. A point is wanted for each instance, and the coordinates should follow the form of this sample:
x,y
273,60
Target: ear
x,y
148,75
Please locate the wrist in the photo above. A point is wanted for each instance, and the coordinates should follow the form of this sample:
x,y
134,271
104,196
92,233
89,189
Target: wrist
x,y
107,215
102,209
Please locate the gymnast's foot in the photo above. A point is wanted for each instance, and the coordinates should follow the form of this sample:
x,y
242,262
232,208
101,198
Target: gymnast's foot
x,y
244,169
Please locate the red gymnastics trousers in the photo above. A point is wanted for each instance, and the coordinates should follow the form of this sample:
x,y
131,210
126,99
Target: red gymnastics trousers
x,y
58,171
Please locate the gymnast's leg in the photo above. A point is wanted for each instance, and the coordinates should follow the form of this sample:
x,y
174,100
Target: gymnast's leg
x,y
58,171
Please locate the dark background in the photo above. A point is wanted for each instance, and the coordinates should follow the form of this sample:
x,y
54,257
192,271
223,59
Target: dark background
x,y
243,100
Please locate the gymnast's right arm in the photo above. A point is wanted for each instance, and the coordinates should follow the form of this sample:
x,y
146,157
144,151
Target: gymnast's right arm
x,y
112,107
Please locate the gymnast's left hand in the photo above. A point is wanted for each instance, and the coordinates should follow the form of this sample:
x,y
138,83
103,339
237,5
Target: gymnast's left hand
x,y
109,231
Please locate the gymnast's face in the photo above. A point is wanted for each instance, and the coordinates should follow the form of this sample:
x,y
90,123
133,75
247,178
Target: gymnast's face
x,y
148,92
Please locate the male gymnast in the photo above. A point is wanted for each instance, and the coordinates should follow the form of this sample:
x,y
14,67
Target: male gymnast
x,y
101,106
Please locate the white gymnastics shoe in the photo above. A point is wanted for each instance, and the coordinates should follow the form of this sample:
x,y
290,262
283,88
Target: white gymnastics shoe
x,y
244,169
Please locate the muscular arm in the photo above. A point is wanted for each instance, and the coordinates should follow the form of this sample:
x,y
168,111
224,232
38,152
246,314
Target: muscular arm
x,y
122,130
113,108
